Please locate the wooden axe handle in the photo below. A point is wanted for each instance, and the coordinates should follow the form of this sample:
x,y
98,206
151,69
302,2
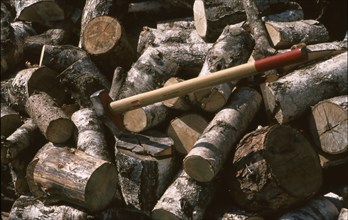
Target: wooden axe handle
x,y
188,86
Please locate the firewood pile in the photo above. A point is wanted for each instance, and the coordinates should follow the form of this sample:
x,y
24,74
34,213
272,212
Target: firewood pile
x,y
267,146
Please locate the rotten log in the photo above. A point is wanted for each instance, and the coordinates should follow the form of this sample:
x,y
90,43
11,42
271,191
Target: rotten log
x,y
146,117
292,95
90,134
209,152
328,122
185,131
274,168
70,175
10,120
82,79
29,80
105,39
233,47
146,166
29,207
51,120
286,34
44,12
180,103
326,206
184,199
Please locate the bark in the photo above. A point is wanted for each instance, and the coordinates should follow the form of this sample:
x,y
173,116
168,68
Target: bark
x,y
233,47
28,207
294,12
146,6
180,103
329,120
51,120
24,137
10,120
292,95
185,131
184,199
117,80
181,23
105,39
33,79
210,151
44,12
149,72
274,168
82,79
122,213
146,117
286,34
18,173
70,175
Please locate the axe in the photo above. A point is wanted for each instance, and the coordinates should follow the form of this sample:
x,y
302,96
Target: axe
x,y
108,109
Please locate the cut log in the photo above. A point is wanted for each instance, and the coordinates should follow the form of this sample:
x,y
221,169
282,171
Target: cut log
x,y
210,151
51,120
82,79
180,103
146,117
320,207
44,12
293,94
72,176
105,39
149,72
185,199
28,207
274,168
185,131
10,121
21,139
329,122
29,80
286,34
143,178
90,137
233,47
117,80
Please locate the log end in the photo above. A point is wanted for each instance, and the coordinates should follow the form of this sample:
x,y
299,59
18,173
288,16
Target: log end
x,y
198,168
135,120
9,123
59,130
200,18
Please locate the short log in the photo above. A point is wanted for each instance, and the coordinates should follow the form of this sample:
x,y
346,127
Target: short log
x,y
286,34
180,103
10,120
51,120
90,134
184,199
292,95
274,168
210,151
328,122
70,175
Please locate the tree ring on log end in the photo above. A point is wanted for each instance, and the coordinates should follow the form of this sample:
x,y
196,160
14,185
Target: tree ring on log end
x,y
135,120
200,18
198,168
101,34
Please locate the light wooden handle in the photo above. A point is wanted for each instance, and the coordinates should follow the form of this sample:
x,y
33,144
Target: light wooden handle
x,y
188,86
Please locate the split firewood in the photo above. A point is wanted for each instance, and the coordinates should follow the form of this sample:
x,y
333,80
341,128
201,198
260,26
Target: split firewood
x,y
327,206
149,72
44,12
233,47
105,39
185,198
90,137
185,131
210,151
60,57
51,120
291,95
294,12
21,139
70,175
146,117
180,103
28,207
286,34
329,124
275,164
82,79
146,167
33,79
118,79
10,120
